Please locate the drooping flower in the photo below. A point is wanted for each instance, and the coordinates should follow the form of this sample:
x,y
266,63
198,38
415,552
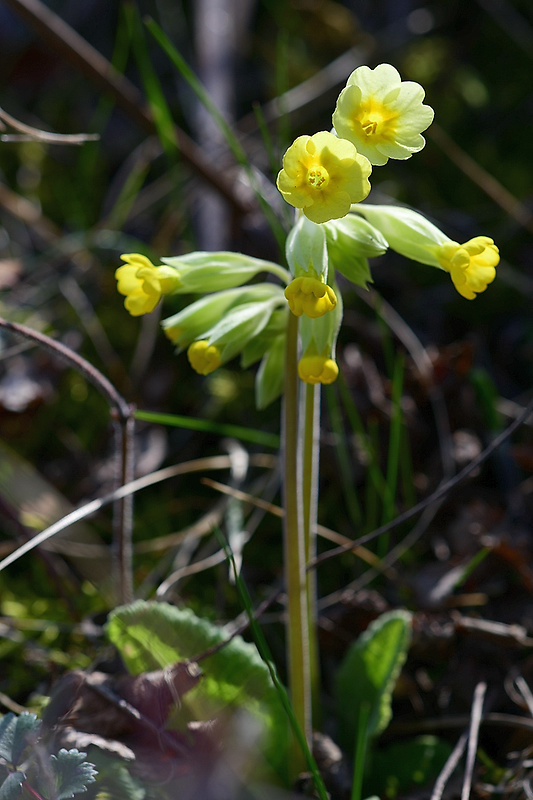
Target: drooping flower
x,y
310,296
144,284
319,340
317,369
381,114
323,175
471,265
193,321
239,325
204,357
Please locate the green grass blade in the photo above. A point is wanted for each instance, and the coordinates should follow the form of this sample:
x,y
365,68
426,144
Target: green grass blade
x,y
343,456
232,141
219,428
265,654
395,438
156,98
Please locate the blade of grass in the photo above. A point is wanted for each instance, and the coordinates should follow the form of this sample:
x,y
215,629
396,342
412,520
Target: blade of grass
x,y
154,93
221,429
360,752
395,437
233,143
265,654
343,456
376,485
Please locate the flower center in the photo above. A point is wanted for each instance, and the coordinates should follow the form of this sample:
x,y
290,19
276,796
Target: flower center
x,y
376,120
317,177
370,126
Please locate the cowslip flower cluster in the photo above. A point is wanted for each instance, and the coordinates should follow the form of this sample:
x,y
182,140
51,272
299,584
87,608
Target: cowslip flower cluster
x,y
325,177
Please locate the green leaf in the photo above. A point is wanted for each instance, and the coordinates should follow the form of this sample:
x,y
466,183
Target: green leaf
x,y
402,766
71,772
368,674
262,438
7,731
269,376
25,733
152,636
16,734
12,786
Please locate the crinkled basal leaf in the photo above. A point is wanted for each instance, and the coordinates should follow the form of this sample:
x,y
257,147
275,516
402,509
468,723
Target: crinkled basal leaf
x,y
151,636
12,786
71,773
368,674
16,734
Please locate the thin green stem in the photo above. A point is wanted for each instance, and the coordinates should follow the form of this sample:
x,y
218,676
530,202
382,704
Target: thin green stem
x,y
310,462
295,553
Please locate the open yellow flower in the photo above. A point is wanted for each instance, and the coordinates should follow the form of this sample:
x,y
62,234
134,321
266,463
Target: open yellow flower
x,y
204,357
143,284
471,265
317,369
323,175
381,114
310,296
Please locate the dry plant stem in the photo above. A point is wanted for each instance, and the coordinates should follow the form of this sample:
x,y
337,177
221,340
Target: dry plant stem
x,y
473,736
123,422
310,470
295,554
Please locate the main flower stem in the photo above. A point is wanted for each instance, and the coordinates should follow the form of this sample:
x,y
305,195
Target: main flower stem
x,y
310,462
295,555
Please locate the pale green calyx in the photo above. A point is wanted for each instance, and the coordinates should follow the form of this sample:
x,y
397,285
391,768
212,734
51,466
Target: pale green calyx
x,y
306,249
350,242
195,319
238,326
204,271
407,232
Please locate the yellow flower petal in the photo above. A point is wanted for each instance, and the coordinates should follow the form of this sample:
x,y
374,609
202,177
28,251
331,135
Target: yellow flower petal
x,y
472,266
203,357
382,115
143,284
323,175
317,369
310,296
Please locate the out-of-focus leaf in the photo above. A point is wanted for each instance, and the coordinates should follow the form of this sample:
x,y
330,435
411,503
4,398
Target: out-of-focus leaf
x,y
16,734
368,674
153,635
12,786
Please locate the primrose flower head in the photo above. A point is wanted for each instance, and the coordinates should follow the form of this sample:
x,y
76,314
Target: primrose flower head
x,y
317,369
323,175
204,357
144,284
471,265
381,114
310,296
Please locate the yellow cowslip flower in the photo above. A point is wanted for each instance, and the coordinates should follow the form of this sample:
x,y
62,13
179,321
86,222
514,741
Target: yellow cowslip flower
x,y
310,296
144,284
323,175
471,265
381,114
204,357
317,369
